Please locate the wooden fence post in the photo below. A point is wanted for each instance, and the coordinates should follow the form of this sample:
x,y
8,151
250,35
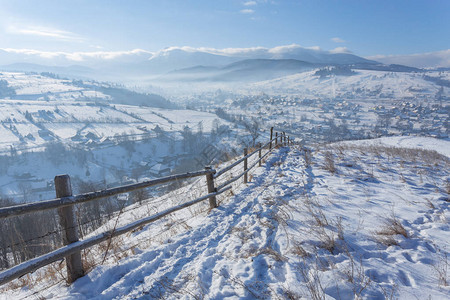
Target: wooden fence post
x,y
284,138
211,188
68,223
271,137
276,139
259,154
245,165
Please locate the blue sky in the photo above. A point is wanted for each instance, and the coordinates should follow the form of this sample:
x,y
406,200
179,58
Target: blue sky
x,y
364,27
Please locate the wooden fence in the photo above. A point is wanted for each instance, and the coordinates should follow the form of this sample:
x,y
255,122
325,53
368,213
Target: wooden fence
x,y
65,201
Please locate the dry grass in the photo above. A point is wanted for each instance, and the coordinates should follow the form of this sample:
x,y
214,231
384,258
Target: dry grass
x,y
447,189
307,156
298,250
355,274
430,204
329,164
316,212
408,155
441,270
311,276
391,227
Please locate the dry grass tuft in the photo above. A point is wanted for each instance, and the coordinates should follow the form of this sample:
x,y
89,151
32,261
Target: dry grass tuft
x,y
298,250
386,240
392,226
327,240
317,213
307,157
430,204
329,162
441,269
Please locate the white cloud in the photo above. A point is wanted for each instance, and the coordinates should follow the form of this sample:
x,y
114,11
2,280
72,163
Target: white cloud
x,y
41,31
420,60
250,3
77,56
340,50
261,52
338,40
247,11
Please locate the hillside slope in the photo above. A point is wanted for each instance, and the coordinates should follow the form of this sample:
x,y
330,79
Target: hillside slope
x,y
337,222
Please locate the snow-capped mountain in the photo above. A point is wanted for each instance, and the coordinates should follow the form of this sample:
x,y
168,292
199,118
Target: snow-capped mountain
x,y
144,63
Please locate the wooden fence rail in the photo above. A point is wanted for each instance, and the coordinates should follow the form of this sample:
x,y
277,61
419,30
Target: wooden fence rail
x,y
65,201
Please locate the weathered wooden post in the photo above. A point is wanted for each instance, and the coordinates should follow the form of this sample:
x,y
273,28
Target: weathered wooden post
x,y
284,138
70,229
259,154
211,188
245,165
271,137
276,139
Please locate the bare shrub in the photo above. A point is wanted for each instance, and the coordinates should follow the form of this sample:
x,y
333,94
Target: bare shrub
x,y
298,250
340,228
392,226
327,240
441,270
310,273
356,275
389,292
307,155
386,240
316,212
290,295
447,189
329,162
430,204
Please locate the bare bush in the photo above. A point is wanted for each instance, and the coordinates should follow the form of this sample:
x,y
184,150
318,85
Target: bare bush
x,y
356,275
390,228
307,155
316,212
312,279
441,269
298,250
329,162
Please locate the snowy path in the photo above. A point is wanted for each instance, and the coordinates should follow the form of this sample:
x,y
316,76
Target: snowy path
x,y
300,230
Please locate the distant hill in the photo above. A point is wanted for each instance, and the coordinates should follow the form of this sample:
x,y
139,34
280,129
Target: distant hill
x,y
73,70
142,65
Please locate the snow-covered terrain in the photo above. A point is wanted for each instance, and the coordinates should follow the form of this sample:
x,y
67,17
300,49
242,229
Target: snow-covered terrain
x,y
362,84
414,142
341,221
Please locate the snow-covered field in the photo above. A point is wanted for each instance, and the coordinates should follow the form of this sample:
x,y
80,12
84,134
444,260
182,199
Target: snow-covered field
x,y
342,221
363,84
67,119
415,142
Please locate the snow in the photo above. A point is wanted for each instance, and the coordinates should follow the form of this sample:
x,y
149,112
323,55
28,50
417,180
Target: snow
x,y
428,143
364,84
38,85
303,226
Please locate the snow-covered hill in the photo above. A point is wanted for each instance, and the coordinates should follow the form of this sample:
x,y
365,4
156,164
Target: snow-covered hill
x,y
340,221
361,85
100,131
139,62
